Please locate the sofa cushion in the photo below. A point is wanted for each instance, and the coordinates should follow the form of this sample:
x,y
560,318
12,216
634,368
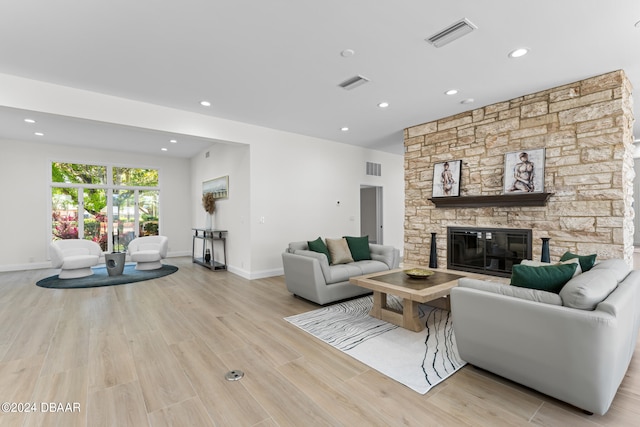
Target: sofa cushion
x,y
546,278
386,254
370,266
146,256
79,261
359,247
616,266
342,273
586,261
542,263
319,246
298,246
511,291
586,291
339,251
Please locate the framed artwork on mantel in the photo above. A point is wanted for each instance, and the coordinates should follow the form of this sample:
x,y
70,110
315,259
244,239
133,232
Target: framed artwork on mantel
x,y
446,178
524,171
218,186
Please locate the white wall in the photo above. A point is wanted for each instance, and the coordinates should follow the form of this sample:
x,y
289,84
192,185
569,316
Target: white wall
x,y
296,183
25,173
231,214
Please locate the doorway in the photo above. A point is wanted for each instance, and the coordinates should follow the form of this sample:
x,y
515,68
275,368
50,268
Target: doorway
x,y
371,213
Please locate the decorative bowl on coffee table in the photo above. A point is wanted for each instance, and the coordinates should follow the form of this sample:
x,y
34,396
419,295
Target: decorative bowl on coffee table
x,y
418,273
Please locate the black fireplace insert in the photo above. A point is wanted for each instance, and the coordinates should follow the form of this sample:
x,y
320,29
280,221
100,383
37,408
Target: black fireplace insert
x,y
490,251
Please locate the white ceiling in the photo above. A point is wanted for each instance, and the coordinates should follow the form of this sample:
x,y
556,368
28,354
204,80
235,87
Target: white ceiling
x,y
278,64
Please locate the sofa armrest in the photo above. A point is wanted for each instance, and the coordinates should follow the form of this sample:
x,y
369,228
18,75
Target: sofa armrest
x,y
387,254
303,274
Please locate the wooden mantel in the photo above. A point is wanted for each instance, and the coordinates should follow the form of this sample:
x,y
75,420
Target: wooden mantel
x,y
499,200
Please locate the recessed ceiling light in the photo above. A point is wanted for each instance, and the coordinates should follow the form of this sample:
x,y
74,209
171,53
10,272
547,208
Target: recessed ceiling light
x,y
173,141
467,101
347,53
205,103
38,134
517,53
451,92
344,129
29,120
637,24
164,149
383,105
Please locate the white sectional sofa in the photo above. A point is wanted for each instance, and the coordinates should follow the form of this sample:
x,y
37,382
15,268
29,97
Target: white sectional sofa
x,y
309,275
575,346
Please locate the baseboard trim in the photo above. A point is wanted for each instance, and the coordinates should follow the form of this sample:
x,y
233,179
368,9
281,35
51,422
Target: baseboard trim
x,y
249,275
30,266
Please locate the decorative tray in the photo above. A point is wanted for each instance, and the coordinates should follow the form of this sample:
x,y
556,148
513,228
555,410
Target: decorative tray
x,y
418,273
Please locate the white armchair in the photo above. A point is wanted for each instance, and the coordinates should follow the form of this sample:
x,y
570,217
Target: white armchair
x,y
74,257
148,251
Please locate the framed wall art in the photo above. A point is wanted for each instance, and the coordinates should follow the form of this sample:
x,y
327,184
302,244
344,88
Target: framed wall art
x,y
446,178
218,186
524,171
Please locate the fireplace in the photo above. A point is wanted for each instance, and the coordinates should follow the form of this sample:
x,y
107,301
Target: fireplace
x,y
487,250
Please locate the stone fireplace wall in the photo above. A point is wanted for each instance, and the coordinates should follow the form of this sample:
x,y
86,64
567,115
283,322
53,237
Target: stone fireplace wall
x,y
586,130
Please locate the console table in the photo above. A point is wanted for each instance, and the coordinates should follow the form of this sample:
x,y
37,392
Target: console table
x,y
211,236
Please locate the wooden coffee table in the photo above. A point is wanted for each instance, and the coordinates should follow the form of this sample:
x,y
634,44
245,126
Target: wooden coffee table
x,y
434,289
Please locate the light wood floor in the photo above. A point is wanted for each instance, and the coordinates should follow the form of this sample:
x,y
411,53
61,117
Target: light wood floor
x,y
155,353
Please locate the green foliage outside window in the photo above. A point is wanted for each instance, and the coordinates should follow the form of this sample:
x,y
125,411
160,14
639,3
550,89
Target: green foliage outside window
x,y
135,177
67,210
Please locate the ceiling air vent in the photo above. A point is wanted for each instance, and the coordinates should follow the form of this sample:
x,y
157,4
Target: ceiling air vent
x,y
353,82
451,33
374,169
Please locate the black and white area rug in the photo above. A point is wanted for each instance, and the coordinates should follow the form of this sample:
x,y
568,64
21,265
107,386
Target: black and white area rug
x,y
419,360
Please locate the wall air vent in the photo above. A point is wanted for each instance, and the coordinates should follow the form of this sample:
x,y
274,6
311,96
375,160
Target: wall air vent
x,y
374,169
353,82
451,33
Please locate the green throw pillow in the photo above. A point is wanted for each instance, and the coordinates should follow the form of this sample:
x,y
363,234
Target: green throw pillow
x,y
359,247
586,261
319,246
550,278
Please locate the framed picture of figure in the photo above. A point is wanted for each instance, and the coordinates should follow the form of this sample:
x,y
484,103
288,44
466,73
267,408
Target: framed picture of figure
x,y
446,178
524,171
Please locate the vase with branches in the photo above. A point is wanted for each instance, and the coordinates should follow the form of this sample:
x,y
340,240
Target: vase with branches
x,y
209,205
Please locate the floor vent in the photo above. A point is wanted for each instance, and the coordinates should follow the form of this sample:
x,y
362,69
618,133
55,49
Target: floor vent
x,y
374,169
452,32
353,82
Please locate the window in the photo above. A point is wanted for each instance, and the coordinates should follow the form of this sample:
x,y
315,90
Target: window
x,y
94,202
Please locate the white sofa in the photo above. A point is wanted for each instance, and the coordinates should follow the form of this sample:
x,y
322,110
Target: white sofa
x,y
147,252
74,257
309,275
574,346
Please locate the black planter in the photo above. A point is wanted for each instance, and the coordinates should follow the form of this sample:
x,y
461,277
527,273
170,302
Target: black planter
x,y
545,250
433,255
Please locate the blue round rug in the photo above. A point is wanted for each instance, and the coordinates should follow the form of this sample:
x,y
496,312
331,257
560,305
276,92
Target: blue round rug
x,y
101,277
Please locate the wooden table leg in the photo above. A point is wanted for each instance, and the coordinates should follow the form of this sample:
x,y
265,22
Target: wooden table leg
x,y
411,316
379,302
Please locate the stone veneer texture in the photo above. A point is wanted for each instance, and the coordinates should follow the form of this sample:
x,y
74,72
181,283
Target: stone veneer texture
x,y
586,130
